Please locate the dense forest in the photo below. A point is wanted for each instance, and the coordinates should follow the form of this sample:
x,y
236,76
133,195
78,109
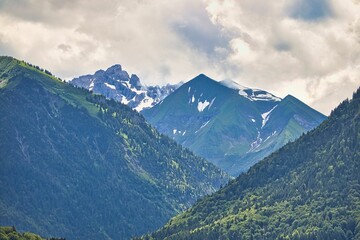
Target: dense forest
x,y
309,189
76,165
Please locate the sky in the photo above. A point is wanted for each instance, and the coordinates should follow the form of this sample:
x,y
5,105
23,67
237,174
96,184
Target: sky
x,y
307,48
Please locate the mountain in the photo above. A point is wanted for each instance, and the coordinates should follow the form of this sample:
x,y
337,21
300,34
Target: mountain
x,y
76,165
232,126
115,83
309,189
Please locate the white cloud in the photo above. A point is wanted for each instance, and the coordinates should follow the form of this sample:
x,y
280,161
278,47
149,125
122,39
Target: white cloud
x,y
310,49
284,51
137,34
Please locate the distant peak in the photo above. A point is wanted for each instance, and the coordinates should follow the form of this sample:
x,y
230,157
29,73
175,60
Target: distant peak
x,y
293,100
114,68
290,97
99,72
203,77
135,81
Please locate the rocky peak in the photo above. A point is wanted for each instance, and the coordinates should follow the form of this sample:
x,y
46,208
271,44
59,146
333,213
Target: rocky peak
x,y
135,81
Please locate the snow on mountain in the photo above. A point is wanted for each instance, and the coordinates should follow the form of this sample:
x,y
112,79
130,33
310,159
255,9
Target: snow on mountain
x,y
265,116
115,83
251,94
110,86
202,105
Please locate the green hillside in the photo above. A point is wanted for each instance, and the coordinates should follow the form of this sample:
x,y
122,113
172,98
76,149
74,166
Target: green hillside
x,y
10,233
232,126
309,189
76,165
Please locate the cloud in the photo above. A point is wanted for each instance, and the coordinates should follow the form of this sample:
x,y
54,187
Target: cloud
x,y
64,47
200,33
140,35
307,48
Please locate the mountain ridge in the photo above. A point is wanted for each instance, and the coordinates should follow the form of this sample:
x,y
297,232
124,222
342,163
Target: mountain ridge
x,y
115,83
79,166
233,127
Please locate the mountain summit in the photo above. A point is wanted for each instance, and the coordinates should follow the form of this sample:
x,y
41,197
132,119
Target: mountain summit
x,y
232,126
115,83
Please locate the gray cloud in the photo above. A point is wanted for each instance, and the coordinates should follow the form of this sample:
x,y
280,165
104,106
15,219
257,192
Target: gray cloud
x,y
302,47
201,33
64,47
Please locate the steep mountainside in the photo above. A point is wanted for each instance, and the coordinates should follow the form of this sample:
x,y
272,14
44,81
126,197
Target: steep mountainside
x,y
232,126
78,166
115,83
309,189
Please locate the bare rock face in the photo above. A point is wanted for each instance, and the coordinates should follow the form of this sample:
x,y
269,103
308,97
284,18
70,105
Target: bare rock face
x,y
115,83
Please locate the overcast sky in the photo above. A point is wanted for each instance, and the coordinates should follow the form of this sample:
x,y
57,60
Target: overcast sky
x,y
307,48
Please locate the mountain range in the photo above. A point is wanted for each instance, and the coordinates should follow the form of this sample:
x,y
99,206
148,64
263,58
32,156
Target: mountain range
x,y
115,83
83,166
76,165
232,126
309,189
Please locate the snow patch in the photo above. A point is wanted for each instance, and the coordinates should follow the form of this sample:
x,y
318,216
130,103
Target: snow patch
x,y
270,136
126,84
232,85
254,145
91,87
244,94
266,96
251,93
138,92
124,100
147,102
265,116
110,86
202,105
204,124
212,101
